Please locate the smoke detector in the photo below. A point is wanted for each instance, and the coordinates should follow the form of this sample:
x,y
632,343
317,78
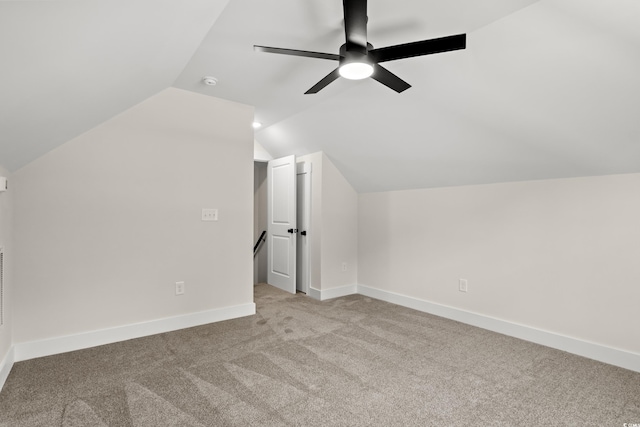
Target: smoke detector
x,y
210,81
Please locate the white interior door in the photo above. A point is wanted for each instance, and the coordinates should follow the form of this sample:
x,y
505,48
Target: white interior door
x,y
281,223
304,222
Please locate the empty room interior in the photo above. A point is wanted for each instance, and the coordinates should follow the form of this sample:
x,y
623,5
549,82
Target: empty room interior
x,y
442,197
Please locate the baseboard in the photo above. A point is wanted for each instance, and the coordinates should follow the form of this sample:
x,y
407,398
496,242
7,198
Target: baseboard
x,y
315,293
50,346
612,356
5,367
47,347
326,294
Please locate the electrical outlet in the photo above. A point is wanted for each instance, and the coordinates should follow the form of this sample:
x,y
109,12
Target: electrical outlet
x,y
463,285
344,266
179,288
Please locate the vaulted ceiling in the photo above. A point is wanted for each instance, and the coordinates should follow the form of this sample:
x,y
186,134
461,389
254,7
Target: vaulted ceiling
x,y
545,89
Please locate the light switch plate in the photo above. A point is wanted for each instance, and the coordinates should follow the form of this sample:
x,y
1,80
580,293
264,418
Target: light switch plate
x,y
209,214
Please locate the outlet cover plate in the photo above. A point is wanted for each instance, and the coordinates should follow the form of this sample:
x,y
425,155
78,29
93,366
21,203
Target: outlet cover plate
x,y
179,288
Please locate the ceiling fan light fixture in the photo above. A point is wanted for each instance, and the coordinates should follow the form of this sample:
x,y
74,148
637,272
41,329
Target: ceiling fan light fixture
x,y
359,60
356,70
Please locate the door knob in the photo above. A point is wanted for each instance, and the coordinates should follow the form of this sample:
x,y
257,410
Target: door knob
x,y
304,233
292,230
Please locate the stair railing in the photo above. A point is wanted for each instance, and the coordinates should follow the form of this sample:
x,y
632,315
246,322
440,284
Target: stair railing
x,y
258,243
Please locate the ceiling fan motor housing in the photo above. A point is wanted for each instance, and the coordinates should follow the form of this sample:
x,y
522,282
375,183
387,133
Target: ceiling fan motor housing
x,y
355,62
355,53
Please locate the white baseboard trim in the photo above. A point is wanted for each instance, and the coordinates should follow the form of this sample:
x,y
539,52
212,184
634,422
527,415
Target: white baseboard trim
x,y
325,294
601,353
47,347
50,346
5,366
315,293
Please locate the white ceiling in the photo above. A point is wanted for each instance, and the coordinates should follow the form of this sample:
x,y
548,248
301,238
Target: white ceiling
x,y
67,66
545,89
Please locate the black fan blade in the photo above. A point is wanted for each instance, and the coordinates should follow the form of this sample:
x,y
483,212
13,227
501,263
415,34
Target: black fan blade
x,y
295,52
355,22
389,79
332,76
424,47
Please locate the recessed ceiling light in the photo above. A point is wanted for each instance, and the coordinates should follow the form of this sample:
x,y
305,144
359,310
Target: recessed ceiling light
x,y
210,81
256,125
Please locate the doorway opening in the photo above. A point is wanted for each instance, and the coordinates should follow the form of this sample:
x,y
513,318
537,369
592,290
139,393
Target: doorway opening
x,y
259,222
302,214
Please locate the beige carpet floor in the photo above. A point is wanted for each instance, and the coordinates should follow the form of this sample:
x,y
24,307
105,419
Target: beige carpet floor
x,y
352,361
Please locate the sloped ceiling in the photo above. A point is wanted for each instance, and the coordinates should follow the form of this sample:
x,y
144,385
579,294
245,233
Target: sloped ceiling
x,y
67,66
545,89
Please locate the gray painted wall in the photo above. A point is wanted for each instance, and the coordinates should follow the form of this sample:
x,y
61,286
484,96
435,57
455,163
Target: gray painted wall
x,y
108,222
556,255
6,240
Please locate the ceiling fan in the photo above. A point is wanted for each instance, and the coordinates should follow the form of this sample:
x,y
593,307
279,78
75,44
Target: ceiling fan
x,y
359,60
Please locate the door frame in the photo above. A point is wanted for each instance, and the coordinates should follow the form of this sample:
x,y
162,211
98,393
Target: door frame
x,y
303,259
